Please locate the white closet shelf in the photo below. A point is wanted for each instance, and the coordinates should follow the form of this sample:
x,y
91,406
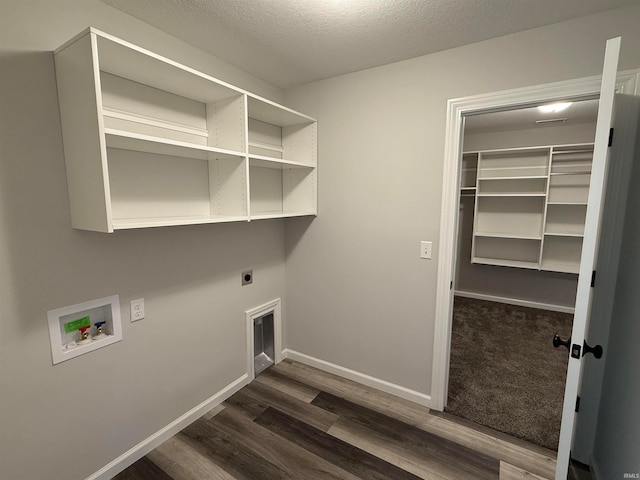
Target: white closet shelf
x,y
266,146
511,150
520,177
278,163
511,194
567,203
564,234
270,112
127,60
571,151
153,122
129,223
515,236
162,146
506,263
560,267
265,216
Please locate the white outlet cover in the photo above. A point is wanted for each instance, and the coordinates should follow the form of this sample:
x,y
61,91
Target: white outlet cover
x,y
137,309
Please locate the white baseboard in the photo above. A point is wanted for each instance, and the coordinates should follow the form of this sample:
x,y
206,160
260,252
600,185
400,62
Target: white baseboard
x,y
144,447
382,385
515,301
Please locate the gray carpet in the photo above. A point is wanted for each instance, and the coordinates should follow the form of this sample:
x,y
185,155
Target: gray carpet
x,y
504,372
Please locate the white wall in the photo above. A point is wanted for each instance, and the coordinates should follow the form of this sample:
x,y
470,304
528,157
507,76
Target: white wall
x,y
357,293
67,421
550,288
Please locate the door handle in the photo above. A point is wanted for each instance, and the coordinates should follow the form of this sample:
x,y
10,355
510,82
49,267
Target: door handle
x,y
586,348
557,341
596,350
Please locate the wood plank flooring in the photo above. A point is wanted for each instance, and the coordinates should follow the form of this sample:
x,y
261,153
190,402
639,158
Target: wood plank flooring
x,y
296,422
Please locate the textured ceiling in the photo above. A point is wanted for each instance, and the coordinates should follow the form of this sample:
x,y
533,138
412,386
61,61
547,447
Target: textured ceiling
x,y
291,42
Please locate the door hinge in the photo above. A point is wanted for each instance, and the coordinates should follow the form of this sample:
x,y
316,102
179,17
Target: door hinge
x,y
451,285
578,404
593,279
611,136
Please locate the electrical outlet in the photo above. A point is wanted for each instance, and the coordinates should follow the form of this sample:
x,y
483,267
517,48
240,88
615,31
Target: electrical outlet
x,y
137,309
247,277
425,249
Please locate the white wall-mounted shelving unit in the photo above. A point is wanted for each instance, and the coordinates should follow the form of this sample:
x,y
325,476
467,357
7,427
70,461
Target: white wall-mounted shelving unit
x,y
150,142
530,205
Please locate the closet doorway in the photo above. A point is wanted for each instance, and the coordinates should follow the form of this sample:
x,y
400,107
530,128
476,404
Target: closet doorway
x,y
523,197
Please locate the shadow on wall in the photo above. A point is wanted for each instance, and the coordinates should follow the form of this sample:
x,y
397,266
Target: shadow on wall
x,y
47,264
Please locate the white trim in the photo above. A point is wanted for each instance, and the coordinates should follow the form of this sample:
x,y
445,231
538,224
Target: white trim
x,y
364,379
141,449
250,315
515,301
456,109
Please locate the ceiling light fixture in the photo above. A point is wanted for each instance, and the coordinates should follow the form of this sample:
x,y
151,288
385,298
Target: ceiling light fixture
x,y
554,107
551,120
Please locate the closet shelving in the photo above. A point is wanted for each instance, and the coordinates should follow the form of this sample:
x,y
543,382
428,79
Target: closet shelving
x,y
469,174
566,208
530,205
150,142
282,159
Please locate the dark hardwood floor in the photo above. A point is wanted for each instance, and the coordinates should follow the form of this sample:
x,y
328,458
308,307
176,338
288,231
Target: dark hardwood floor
x,y
294,421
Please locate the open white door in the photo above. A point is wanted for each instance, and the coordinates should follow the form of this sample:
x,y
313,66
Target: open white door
x,y
578,347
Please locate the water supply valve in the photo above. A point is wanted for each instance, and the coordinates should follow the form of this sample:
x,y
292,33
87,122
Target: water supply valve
x,y
100,334
84,335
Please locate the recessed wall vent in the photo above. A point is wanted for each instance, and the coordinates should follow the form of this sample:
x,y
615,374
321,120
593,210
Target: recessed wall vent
x,y
263,343
263,337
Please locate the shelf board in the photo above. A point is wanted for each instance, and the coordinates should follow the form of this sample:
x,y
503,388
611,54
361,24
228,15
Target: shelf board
x,y
560,267
511,194
129,61
274,114
266,146
506,263
265,216
129,223
520,177
149,144
567,203
587,148
153,122
272,162
564,234
573,163
468,188
513,236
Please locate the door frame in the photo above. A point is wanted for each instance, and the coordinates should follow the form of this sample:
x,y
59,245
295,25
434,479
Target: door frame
x,y
456,110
